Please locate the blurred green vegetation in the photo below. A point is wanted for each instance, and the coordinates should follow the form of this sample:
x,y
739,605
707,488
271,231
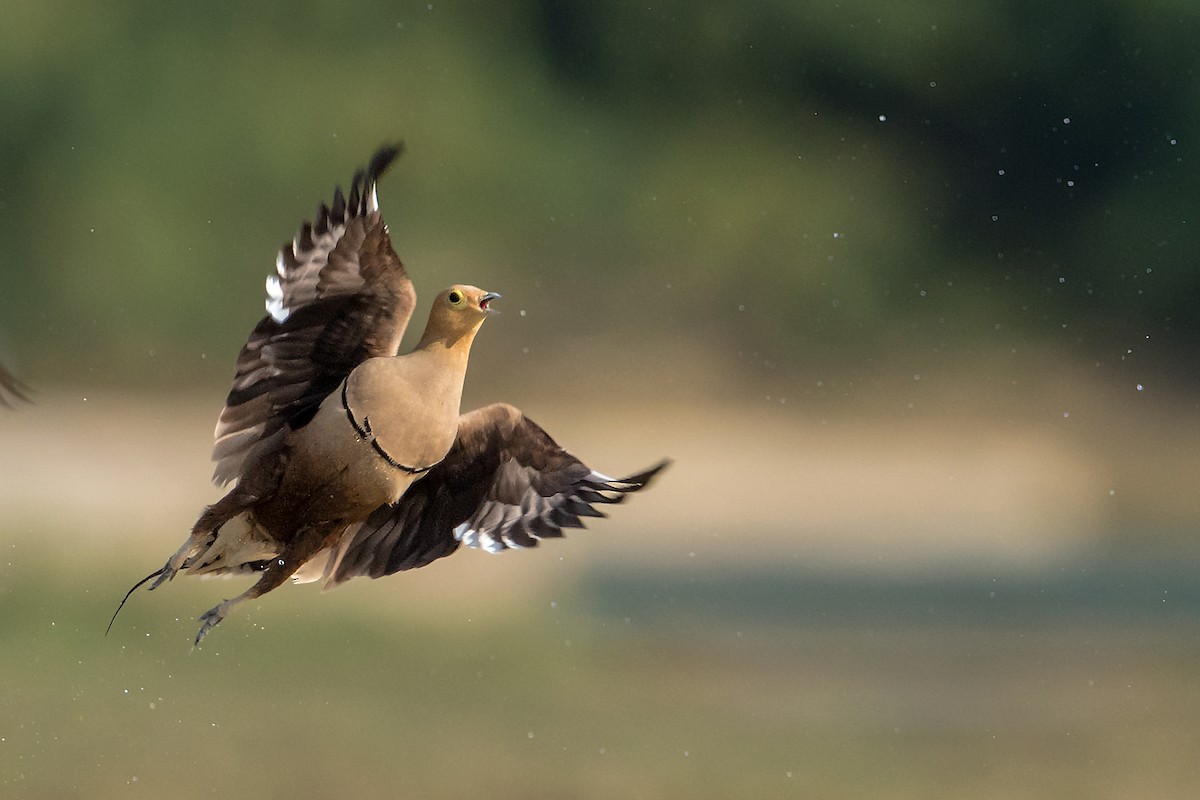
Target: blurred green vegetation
x,y
597,691
852,183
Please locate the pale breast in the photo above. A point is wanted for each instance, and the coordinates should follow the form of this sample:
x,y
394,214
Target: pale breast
x,y
411,404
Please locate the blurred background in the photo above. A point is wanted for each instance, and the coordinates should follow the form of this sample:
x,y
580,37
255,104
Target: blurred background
x,y
907,289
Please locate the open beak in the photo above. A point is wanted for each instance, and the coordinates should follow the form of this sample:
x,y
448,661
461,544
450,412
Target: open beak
x,y
485,302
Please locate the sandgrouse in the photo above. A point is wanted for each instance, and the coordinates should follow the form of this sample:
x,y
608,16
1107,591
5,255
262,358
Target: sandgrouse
x,y
348,459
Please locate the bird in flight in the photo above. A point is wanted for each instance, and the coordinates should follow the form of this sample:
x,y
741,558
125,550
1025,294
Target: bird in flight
x,y
348,459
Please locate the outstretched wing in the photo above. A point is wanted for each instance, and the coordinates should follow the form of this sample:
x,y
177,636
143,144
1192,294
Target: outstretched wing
x,y
504,484
11,388
339,295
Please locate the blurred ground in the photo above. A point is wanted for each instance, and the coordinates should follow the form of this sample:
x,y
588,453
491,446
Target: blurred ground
x,y
965,476
813,601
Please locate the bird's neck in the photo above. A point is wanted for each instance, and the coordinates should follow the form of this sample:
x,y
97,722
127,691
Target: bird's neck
x,y
439,370
450,346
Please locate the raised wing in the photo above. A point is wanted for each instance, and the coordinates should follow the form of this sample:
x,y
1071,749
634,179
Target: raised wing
x,y
339,295
504,484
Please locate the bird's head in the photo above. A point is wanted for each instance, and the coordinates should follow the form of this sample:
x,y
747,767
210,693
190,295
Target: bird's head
x,y
467,299
458,312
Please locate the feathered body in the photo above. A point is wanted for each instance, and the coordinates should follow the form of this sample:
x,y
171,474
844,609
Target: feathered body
x,y
348,459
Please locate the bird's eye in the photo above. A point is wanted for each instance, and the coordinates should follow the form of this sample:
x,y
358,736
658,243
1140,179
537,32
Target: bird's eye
x,y
455,297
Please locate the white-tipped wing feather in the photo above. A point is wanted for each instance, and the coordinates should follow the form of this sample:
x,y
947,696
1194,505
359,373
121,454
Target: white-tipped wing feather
x,y
505,484
339,295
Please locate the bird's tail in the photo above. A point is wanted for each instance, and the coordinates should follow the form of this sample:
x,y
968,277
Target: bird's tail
x,y
132,589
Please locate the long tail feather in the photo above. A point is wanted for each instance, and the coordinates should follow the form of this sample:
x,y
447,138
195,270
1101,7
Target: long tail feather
x,y
135,587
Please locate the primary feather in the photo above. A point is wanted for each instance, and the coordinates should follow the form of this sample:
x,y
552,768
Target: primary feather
x,y
339,295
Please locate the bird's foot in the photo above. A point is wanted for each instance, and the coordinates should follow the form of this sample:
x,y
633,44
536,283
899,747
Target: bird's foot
x,y
210,619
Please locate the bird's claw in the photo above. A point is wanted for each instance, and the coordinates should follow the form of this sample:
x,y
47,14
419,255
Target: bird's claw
x,y
209,620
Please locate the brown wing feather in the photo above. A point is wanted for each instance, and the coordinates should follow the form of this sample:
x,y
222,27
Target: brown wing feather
x,y
504,484
339,295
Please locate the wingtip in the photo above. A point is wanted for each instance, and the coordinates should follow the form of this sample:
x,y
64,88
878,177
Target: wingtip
x,y
383,158
363,198
660,466
13,389
640,480
378,165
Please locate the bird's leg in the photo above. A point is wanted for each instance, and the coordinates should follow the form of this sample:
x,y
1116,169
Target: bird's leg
x,y
214,516
304,546
176,561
